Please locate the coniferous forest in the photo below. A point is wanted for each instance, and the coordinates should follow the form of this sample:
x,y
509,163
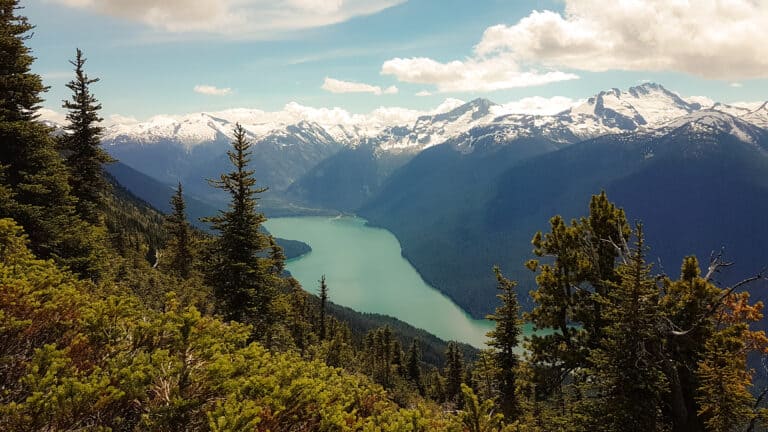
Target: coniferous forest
x,y
115,317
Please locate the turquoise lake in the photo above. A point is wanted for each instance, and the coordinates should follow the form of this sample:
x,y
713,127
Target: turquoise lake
x,y
365,271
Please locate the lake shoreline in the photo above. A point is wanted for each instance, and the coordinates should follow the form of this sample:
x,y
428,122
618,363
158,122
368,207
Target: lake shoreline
x,y
368,272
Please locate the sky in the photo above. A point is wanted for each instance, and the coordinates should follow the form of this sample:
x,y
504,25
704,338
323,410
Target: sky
x,y
181,56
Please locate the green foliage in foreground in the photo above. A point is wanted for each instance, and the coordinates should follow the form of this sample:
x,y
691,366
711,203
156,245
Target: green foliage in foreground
x,y
75,357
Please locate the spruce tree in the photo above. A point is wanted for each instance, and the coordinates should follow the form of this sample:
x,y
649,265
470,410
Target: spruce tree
x,y
628,386
413,365
180,242
323,305
35,179
277,255
505,338
454,373
239,268
81,145
580,269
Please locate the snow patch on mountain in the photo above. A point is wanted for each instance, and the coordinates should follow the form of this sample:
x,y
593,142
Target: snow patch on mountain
x,y
758,116
641,108
712,122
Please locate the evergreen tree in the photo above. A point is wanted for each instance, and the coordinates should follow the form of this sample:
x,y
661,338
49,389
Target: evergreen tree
x,y
20,88
238,269
454,373
180,243
397,358
582,269
35,179
323,306
81,145
628,385
413,365
505,338
488,374
277,256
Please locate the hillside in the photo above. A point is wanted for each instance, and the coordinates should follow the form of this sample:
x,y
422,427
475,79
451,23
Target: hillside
x,y
697,185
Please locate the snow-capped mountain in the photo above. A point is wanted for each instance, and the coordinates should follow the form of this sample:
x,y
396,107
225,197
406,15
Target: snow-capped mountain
x,y
758,116
644,107
291,143
710,122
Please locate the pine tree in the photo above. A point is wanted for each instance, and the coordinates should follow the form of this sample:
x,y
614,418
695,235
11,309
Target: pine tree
x,y
180,243
277,256
413,366
20,88
81,145
454,373
583,268
35,179
397,359
323,305
628,385
488,374
238,269
505,338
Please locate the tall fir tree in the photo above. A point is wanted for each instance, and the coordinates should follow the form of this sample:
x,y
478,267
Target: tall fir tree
x,y
239,265
81,145
627,387
505,338
323,305
580,268
413,366
277,255
35,179
454,373
179,246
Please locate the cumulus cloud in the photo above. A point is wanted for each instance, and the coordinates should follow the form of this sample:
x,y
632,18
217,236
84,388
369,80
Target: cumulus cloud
x,y
538,105
339,86
212,90
121,119
716,39
50,115
233,18
475,74
704,101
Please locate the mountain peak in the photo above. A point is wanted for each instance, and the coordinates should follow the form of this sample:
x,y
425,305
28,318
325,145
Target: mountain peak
x,y
712,121
645,105
758,116
479,108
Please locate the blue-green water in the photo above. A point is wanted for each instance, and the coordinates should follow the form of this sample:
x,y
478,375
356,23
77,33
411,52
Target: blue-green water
x,y
365,270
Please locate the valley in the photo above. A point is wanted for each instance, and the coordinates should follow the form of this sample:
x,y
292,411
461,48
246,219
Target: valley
x,y
383,215
365,271
471,183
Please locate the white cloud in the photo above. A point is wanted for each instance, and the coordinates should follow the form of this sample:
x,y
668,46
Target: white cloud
x,y
212,90
241,19
475,74
52,116
121,119
423,93
716,39
704,101
339,86
539,105
736,85
748,105
447,105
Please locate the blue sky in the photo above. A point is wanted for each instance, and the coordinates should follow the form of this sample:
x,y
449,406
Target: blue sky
x,y
180,56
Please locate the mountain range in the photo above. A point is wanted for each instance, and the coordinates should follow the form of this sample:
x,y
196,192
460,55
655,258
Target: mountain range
x,y
466,186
